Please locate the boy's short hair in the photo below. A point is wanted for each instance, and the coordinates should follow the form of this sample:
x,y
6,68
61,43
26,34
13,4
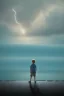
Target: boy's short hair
x,y
33,60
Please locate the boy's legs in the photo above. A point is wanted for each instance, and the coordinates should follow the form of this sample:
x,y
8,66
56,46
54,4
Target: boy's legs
x,y
30,77
33,74
35,77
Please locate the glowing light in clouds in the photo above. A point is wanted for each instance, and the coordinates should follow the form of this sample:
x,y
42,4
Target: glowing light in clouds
x,y
20,26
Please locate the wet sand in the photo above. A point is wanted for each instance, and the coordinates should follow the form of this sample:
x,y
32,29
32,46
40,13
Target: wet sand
x,y
40,88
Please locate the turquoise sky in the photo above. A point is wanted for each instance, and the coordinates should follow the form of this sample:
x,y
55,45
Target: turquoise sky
x,y
32,21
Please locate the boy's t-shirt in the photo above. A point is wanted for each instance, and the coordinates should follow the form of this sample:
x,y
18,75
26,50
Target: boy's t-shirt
x,y
33,68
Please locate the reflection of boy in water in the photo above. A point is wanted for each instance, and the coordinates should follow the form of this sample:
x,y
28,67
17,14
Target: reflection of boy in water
x,y
33,71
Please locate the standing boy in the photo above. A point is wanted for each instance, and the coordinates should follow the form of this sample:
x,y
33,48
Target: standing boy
x,y
33,71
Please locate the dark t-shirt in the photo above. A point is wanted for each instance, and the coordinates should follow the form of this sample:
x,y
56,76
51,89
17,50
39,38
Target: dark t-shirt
x,y
33,68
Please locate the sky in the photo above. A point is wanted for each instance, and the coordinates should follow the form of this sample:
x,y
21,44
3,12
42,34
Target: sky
x,y
31,21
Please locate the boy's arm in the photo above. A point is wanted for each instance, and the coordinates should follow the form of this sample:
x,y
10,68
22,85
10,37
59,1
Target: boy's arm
x,y
36,68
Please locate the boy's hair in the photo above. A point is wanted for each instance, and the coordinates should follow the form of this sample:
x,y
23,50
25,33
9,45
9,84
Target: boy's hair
x,y
33,60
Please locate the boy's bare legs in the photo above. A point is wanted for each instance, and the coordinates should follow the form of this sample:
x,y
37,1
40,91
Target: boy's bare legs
x,y
35,78
30,78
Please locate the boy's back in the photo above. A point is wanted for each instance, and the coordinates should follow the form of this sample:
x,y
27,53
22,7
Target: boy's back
x,y
33,68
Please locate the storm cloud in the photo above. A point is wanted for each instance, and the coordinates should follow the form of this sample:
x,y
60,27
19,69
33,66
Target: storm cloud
x,y
39,19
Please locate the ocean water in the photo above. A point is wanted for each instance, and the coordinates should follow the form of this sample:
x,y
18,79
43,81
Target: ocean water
x,y
15,61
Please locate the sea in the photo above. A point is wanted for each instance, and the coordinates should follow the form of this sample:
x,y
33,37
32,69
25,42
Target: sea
x,y
15,61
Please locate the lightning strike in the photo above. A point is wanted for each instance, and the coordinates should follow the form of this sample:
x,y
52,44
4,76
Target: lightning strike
x,y
16,21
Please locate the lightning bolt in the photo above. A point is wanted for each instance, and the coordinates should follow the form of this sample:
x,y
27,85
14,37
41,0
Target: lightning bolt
x,y
15,17
16,21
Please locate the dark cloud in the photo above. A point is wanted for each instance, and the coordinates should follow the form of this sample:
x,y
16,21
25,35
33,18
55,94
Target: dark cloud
x,y
29,8
54,22
5,4
54,25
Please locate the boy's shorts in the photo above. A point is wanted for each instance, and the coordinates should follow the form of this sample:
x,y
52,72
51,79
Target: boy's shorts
x,y
33,74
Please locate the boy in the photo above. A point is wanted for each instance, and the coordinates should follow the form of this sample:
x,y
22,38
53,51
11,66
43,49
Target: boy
x,y
33,71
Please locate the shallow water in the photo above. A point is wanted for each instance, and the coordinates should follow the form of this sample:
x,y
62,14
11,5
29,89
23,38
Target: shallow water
x,y
15,61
